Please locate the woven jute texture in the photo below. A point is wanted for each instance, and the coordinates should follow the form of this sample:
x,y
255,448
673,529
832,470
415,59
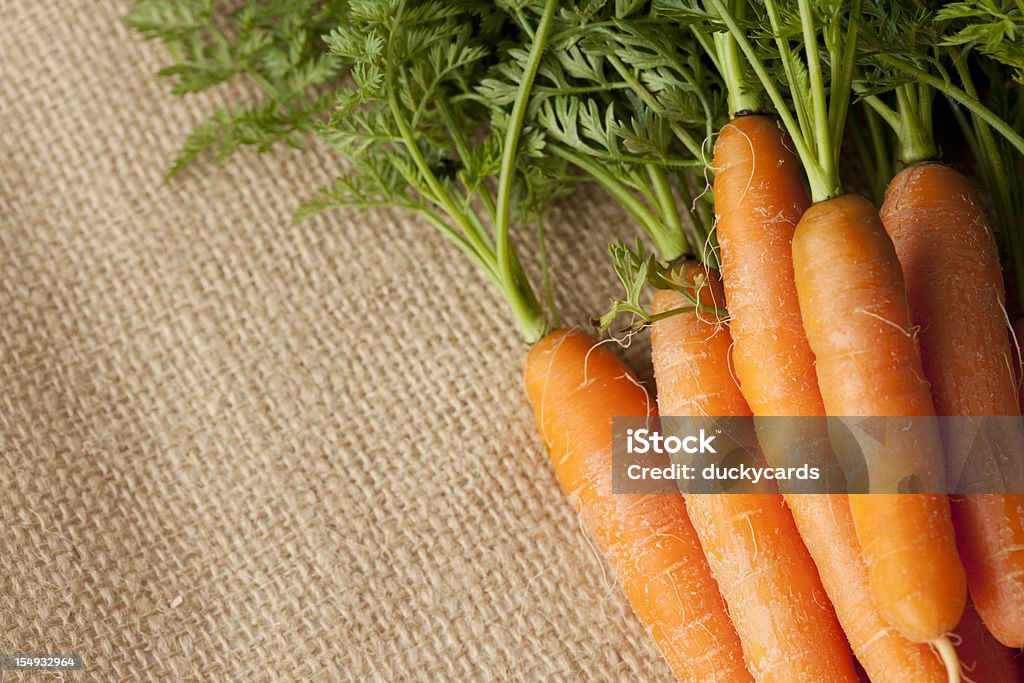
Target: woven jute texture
x,y
238,449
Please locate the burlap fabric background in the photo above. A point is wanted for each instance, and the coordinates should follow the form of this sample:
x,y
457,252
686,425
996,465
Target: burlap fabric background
x,y
236,449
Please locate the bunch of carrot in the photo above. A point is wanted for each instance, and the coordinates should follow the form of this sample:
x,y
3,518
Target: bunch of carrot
x,y
835,307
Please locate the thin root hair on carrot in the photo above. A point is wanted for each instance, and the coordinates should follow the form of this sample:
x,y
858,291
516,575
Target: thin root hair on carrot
x,y
609,586
647,396
753,165
1019,374
636,326
708,249
944,647
586,361
709,139
909,332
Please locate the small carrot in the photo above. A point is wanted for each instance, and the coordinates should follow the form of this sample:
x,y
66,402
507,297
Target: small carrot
x,y
576,388
786,624
885,654
759,198
957,300
854,307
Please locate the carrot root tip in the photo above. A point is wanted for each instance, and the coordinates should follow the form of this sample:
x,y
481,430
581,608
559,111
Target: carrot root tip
x,y
947,653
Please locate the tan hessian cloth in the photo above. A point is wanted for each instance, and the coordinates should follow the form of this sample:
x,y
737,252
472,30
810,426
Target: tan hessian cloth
x,y
237,449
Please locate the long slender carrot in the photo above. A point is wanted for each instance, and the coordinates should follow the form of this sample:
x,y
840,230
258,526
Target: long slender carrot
x,y
957,299
576,388
785,622
854,307
759,197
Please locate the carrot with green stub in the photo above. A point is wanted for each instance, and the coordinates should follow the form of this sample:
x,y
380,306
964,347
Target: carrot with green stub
x,y
957,299
759,198
854,311
576,387
752,544
955,289
787,627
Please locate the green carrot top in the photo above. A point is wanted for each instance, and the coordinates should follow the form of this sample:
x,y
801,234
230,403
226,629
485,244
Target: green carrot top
x,y
985,42
276,45
809,47
418,138
478,115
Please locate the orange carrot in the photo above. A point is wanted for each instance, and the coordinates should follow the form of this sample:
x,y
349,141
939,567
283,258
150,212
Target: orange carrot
x,y
576,388
982,657
785,622
759,197
957,299
855,313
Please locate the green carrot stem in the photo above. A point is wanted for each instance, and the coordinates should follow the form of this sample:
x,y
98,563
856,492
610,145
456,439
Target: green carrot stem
x,y
437,191
819,105
740,99
880,145
815,136
669,211
916,142
669,244
462,147
522,300
438,222
959,96
842,80
862,144
788,62
996,172
684,136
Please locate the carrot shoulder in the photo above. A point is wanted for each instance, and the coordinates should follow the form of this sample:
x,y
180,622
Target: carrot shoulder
x,y
956,294
854,308
576,388
759,198
786,624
